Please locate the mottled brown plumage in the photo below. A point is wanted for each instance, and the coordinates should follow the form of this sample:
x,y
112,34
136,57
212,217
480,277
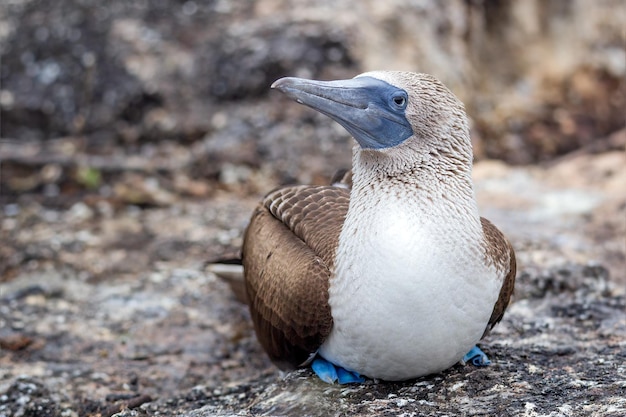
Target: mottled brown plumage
x,y
496,248
288,255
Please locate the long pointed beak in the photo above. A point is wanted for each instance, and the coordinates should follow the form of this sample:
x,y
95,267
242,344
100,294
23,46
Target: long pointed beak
x,y
362,105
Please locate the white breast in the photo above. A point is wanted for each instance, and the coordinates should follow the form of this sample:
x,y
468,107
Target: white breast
x,y
411,293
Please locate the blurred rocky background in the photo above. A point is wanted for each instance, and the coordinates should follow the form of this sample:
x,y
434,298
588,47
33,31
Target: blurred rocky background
x,y
137,136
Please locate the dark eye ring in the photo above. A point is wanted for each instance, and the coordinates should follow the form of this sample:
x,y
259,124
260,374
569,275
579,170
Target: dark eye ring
x,y
399,100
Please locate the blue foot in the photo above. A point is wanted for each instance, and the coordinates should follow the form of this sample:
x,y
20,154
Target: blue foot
x,y
330,373
477,357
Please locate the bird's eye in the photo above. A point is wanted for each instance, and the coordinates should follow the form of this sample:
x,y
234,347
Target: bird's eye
x,y
399,100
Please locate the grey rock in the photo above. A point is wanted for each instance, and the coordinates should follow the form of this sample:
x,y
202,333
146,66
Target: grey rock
x,y
172,138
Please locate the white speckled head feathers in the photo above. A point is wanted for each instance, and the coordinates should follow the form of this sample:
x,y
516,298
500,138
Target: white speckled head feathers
x,y
440,127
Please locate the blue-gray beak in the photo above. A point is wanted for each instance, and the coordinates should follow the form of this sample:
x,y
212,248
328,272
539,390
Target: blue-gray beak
x,y
372,110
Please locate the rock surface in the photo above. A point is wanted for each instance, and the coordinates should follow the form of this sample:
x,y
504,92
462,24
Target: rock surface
x,y
137,138
538,78
104,305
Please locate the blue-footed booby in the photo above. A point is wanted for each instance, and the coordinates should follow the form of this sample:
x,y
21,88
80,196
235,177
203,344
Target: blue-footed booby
x,y
390,273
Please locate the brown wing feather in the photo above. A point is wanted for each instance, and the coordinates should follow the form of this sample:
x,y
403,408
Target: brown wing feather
x,y
288,255
342,178
499,252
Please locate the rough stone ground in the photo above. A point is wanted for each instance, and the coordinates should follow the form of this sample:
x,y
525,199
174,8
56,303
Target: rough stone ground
x,y
107,305
136,138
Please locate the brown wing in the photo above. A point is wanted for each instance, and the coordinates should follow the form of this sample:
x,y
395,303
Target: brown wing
x,y
288,255
499,252
342,178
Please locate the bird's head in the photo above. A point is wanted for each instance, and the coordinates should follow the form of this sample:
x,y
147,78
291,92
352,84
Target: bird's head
x,y
398,116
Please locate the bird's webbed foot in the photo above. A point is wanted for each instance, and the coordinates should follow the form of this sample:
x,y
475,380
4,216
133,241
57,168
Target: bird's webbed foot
x,y
476,357
329,372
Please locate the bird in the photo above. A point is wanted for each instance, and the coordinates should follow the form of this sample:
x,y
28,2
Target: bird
x,y
388,273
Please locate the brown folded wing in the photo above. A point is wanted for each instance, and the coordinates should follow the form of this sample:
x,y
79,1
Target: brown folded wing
x,y
288,256
500,253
